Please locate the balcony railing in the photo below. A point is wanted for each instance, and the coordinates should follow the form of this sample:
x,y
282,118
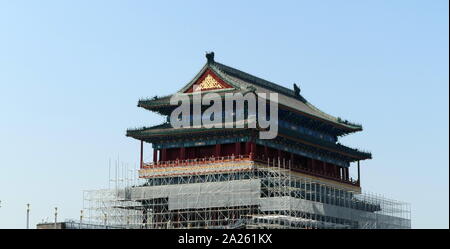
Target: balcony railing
x,y
196,161
261,159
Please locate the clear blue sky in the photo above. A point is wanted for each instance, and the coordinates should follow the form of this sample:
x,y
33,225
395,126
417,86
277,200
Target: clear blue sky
x,y
71,73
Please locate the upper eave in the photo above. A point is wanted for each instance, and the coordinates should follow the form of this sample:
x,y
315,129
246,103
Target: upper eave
x,y
244,82
163,107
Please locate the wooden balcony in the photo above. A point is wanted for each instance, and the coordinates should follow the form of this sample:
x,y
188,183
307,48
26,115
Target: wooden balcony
x,y
196,161
240,158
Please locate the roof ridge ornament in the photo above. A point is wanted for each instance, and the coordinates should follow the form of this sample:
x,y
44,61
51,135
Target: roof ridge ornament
x,y
210,57
296,90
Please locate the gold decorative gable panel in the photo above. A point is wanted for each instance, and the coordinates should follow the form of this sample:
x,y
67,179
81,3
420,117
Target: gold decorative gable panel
x,y
208,81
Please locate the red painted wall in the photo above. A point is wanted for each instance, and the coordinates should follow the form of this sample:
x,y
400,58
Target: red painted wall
x,y
259,152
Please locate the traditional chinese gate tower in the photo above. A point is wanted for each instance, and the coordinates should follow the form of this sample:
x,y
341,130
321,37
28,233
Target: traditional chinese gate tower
x,y
229,177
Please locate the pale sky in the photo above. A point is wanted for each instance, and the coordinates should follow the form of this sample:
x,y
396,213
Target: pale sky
x,y
71,73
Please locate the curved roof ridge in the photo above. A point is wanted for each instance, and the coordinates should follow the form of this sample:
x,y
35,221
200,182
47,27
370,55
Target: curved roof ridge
x,y
257,80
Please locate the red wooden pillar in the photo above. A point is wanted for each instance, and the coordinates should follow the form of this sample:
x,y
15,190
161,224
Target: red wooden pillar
x,y
237,147
346,174
247,147
142,154
182,153
250,149
164,155
266,151
155,155
218,150
292,160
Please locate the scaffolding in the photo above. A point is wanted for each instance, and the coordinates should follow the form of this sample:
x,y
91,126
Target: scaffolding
x,y
265,195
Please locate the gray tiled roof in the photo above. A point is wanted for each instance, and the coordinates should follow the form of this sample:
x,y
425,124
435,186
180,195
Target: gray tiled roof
x,y
244,82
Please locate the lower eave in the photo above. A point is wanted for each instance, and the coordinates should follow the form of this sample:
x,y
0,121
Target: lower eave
x,y
158,132
334,147
146,134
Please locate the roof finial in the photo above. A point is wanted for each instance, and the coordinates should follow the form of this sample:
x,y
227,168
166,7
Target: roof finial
x,y
210,57
296,90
